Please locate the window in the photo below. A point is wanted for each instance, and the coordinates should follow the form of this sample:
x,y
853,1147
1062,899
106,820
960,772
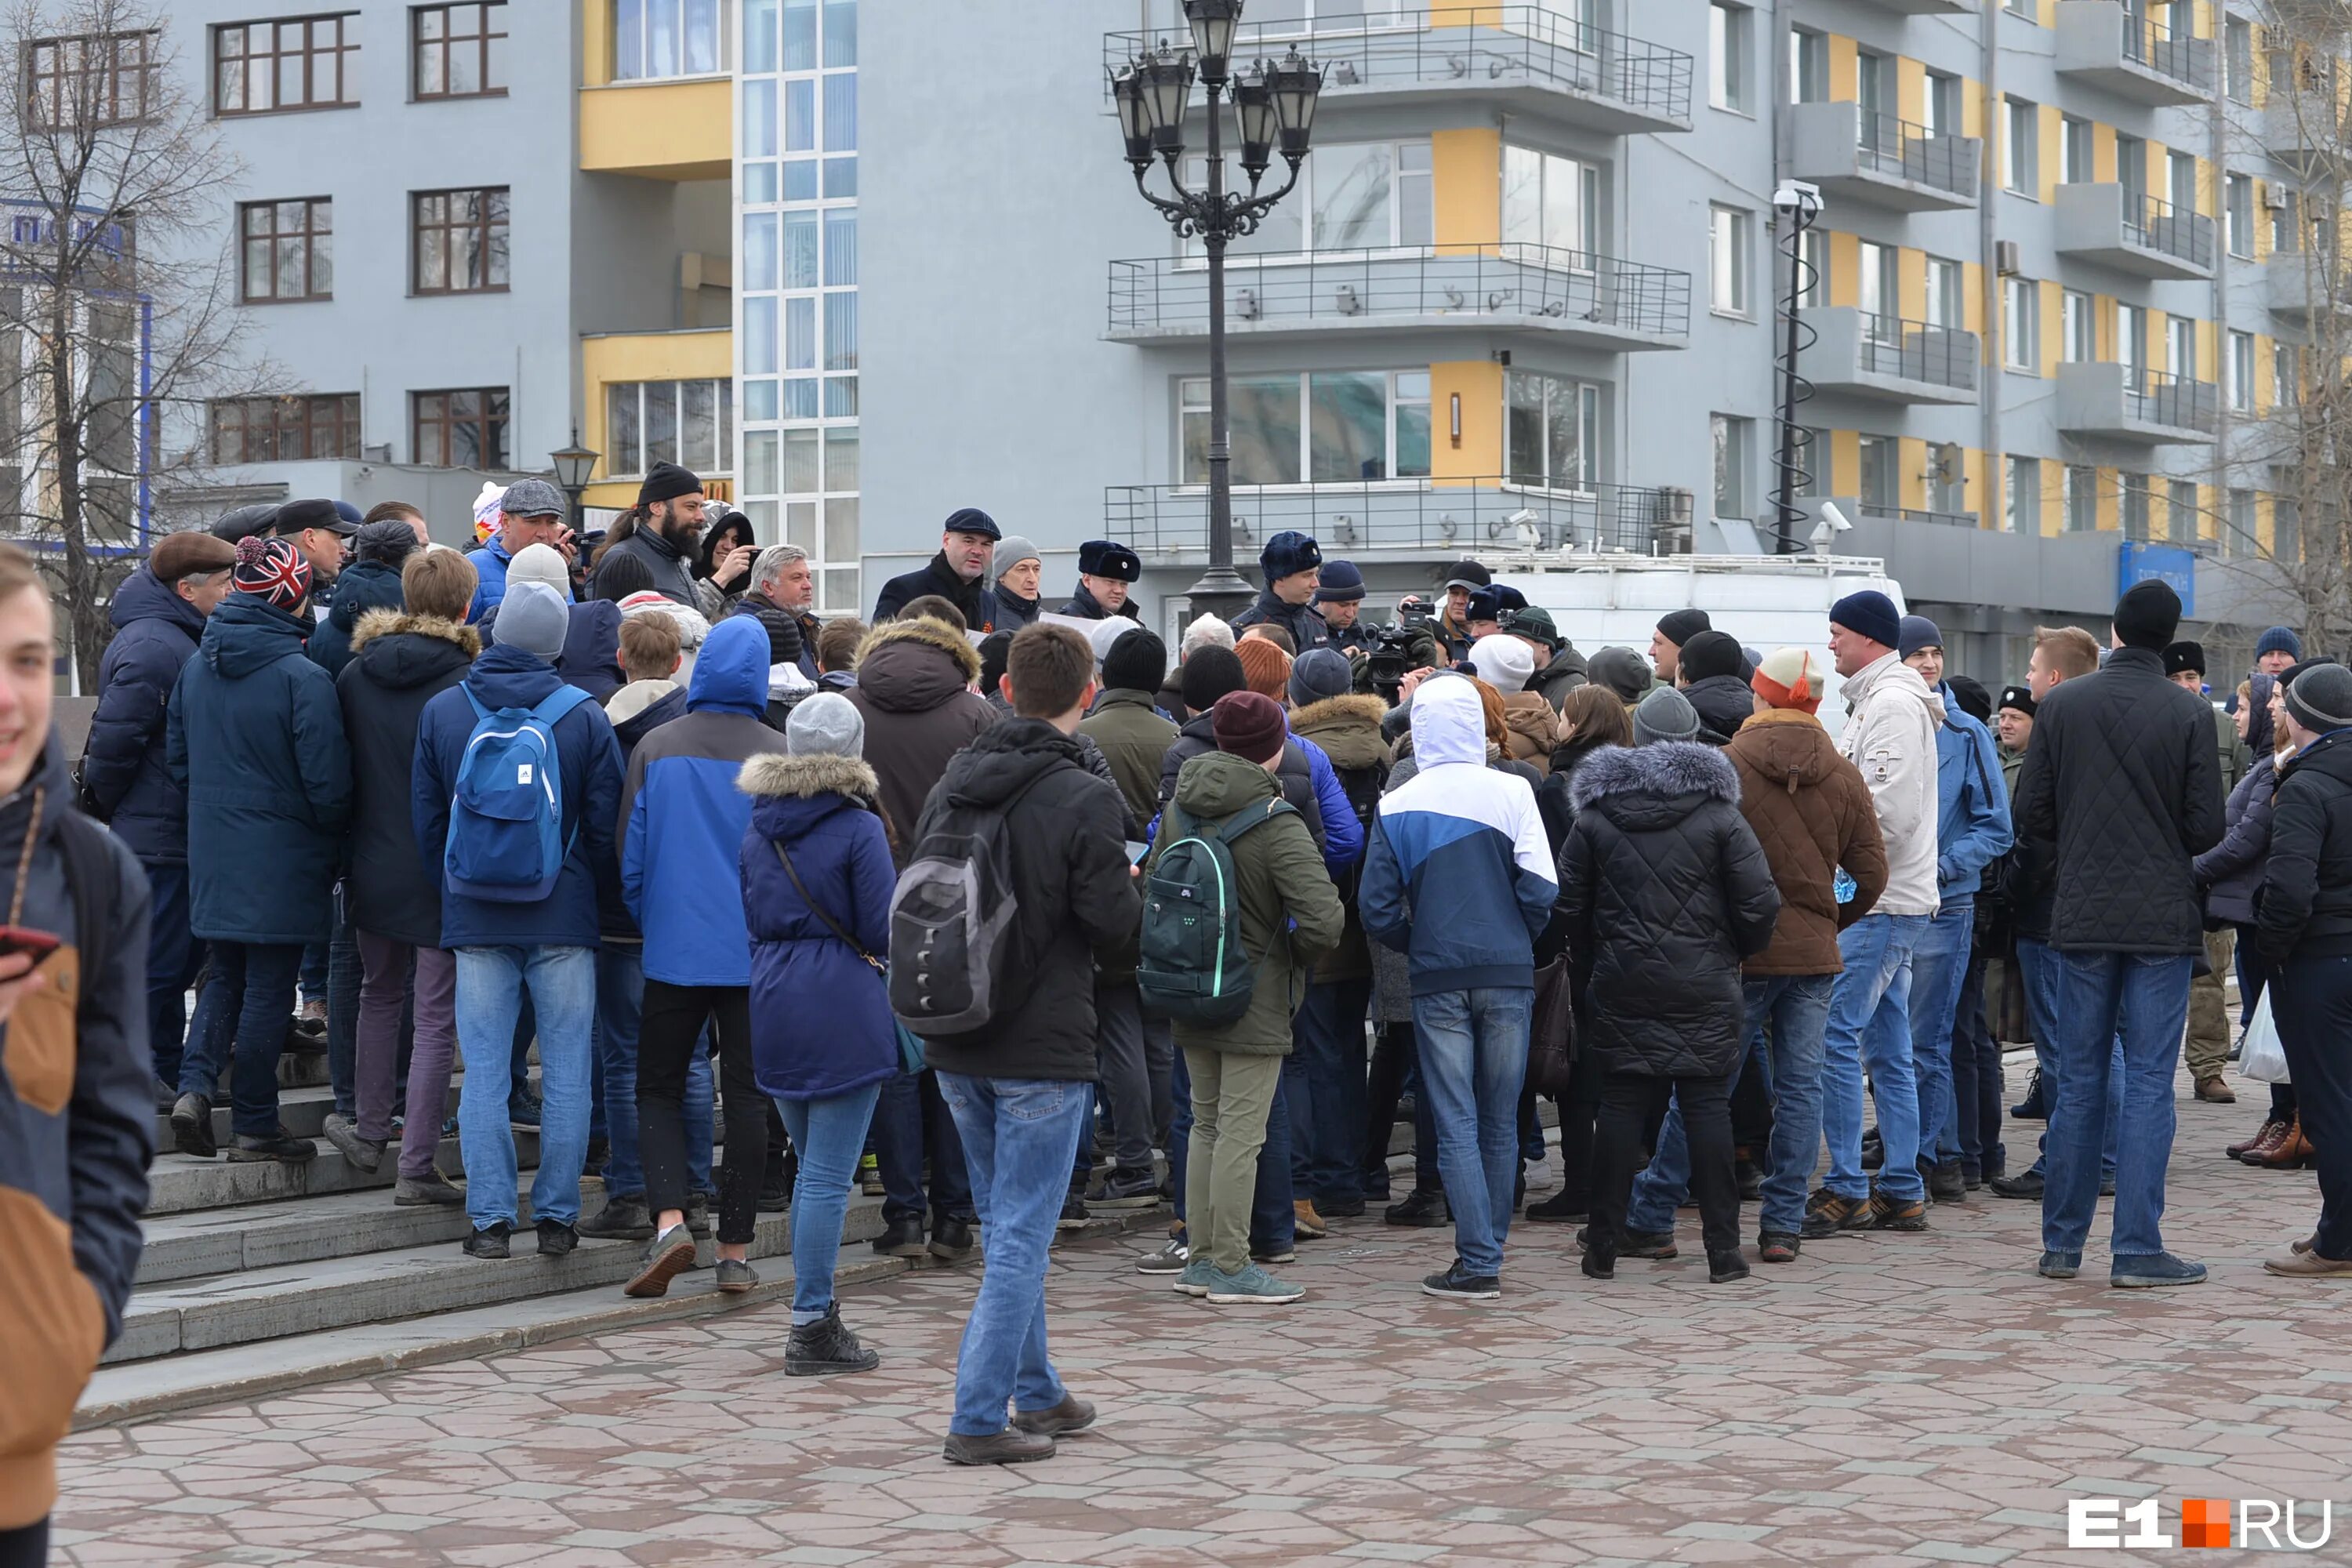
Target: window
x,y
2019,148
286,429
1728,30
2080,499
2238,59
2131,163
2180,511
306,62
1728,285
1548,200
2238,538
2181,358
690,423
2021,324
1735,441
2238,215
1873,76
2286,529
1809,66
1877,471
2286,230
461,241
464,429
2238,373
1323,428
2077,331
1879,289
1941,105
654,38
459,51
1552,431
1815,284
1351,196
2180,182
1945,304
2284,382
2074,160
288,250
2029,9
93,79
2021,507
2135,507
2131,339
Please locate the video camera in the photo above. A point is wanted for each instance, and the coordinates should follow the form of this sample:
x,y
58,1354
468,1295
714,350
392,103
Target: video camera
x,y
1394,645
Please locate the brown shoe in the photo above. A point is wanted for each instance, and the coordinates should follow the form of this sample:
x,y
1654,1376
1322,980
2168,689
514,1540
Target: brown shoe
x,y
2307,1266
2291,1153
1307,1224
1829,1215
2306,1244
2213,1091
1890,1214
1073,1414
1010,1447
2269,1133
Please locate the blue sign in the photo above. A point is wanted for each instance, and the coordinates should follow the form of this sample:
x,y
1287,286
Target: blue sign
x,y
2137,563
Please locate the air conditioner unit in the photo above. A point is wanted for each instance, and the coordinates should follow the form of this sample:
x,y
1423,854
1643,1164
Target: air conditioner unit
x,y
2274,197
2004,257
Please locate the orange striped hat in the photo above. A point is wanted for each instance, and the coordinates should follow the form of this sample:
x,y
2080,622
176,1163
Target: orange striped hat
x,y
1789,677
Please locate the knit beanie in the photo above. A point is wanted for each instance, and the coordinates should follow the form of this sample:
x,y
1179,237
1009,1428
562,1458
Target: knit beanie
x,y
1679,626
1138,661
2321,698
532,618
666,481
1917,632
1248,724
1790,677
1319,673
1211,673
1503,662
1341,583
273,569
2278,639
541,563
2019,698
390,541
1665,714
995,653
2147,616
1871,614
827,724
1712,653
1621,670
1970,694
1010,551
1265,665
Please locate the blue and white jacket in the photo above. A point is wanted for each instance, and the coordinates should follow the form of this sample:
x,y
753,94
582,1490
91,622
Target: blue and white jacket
x,y
1973,827
1461,846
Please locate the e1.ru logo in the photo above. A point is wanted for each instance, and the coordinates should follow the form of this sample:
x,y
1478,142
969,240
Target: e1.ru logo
x,y
2099,1522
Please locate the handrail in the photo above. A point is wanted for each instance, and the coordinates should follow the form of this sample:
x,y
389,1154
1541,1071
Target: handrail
x,y
2159,397
2149,43
1449,513
1898,148
1917,350
2151,222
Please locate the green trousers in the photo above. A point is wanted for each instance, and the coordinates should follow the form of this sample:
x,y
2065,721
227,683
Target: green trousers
x,y
1231,1097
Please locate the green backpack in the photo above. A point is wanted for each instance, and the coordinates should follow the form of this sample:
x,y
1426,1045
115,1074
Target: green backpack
x,y
1194,969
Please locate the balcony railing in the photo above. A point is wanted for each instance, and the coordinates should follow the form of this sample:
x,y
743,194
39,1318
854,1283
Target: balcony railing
x,y
1172,522
2154,397
1901,150
1526,46
1917,350
2168,53
2151,222
1533,283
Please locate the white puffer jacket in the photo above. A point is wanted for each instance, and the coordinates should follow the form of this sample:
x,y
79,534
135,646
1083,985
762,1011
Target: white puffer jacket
x,y
1890,735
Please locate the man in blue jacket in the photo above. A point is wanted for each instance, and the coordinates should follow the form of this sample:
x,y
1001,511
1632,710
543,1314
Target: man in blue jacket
x,y
1972,830
158,614
686,821
532,513
548,945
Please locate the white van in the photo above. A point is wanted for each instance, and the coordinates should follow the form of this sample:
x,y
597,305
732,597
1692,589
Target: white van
x,y
1765,601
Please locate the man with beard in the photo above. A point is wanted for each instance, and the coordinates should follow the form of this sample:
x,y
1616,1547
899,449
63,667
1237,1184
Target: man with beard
x,y
1106,574
957,574
665,528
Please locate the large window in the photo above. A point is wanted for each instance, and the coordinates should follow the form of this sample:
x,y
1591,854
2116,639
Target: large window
x,y
2238,373
2021,148
2077,331
462,429
2238,214
2180,511
304,62
93,79
1878,479
1552,431
1730,244
2074,157
2020,325
2239,538
1320,427
2081,499
1734,440
2022,505
1730,29
2238,59
690,423
1548,200
1809,64
286,429
1351,196
461,241
288,250
654,38
2135,507
460,51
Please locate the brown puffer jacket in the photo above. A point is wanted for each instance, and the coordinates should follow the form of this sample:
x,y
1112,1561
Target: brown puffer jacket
x,y
914,680
1349,731
1812,813
1533,728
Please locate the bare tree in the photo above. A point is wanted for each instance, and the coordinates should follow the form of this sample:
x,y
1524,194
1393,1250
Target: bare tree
x,y
116,318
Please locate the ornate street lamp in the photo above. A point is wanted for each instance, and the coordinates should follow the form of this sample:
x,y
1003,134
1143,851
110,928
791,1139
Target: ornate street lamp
x,y
574,464
1275,110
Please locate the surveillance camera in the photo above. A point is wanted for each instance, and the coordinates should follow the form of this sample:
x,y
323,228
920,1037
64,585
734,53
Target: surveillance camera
x,y
1797,196
1834,518
1523,517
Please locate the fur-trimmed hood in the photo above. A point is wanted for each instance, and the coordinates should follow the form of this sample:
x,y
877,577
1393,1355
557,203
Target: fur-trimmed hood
x,y
913,666
1653,786
1347,728
397,651
387,623
1335,710
805,777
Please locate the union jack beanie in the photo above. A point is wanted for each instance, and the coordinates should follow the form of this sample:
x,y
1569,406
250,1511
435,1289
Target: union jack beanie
x,y
273,569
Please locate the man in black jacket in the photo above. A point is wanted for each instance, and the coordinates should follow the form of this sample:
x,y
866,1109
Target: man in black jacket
x,y
1106,574
2121,790
1018,1087
664,529
1708,672
1292,563
957,574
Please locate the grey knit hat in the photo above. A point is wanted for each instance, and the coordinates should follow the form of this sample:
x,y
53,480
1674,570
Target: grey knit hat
x,y
1010,551
1320,673
2321,698
1665,714
532,618
827,724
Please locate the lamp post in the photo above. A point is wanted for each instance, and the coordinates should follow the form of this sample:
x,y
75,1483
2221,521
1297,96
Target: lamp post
x,y
1274,108
574,464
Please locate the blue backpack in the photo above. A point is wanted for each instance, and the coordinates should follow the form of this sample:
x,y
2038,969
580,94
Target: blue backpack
x,y
506,816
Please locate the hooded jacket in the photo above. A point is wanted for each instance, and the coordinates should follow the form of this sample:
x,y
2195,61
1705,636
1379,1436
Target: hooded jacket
x,y
2232,872
683,817
1348,730
1532,728
1811,814
1134,740
821,1021
1083,605
125,782
590,763
1564,675
2307,909
77,1133
361,587
1725,702
976,599
1665,891
2122,788
1890,735
268,778
914,680
641,707
1462,847
399,663
1290,915
1307,628
1075,898
1972,822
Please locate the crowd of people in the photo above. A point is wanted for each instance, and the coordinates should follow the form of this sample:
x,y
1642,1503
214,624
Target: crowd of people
x,y
1008,916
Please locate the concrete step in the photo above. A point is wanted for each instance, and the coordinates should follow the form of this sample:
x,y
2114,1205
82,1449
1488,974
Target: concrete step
x,y
183,1183
307,1229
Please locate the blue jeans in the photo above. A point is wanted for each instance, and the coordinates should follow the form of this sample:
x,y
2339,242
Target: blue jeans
x,y
1323,1085
620,1001
251,1002
490,985
830,1134
1939,962
173,954
1870,1022
912,1115
1018,1138
2144,999
2038,966
1796,1007
1274,1224
1474,1058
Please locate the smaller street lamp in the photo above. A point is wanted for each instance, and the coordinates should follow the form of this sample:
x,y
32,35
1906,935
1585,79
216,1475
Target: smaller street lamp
x,y
574,464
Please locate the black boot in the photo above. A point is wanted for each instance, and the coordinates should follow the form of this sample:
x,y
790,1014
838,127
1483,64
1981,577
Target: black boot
x,y
1425,1208
825,1348
900,1238
192,1126
2035,1106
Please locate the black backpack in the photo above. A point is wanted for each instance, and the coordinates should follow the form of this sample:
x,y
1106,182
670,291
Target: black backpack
x,y
1192,967
953,919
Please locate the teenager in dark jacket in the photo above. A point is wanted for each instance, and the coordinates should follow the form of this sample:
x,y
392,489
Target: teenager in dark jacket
x,y
1665,891
957,574
1291,562
77,1118
823,1037
256,738
400,661
372,582
549,946
158,614
1016,1087
1712,676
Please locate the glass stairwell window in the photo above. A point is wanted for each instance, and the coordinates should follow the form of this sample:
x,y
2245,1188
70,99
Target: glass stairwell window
x,y
654,40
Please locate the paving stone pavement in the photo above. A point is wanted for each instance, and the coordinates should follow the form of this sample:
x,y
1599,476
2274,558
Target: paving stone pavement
x,y
1885,1399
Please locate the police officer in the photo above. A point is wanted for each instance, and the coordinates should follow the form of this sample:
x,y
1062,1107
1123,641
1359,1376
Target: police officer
x,y
1106,574
1291,562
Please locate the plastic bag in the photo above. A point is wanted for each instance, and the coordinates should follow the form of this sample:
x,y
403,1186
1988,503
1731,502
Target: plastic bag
x,y
2262,1059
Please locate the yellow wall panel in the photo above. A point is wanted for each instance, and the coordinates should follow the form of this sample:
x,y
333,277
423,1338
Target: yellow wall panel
x,y
1972,299
1480,383
1972,109
1845,269
1911,284
2052,339
1466,179
596,42
1911,483
1910,90
658,130
2054,497
2103,155
1843,57
1845,462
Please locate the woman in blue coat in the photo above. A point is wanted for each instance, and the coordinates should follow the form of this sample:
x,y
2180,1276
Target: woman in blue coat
x,y
817,878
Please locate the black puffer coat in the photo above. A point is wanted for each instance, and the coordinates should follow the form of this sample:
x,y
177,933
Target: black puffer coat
x,y
2307,899
1663,892
1724,703
398,663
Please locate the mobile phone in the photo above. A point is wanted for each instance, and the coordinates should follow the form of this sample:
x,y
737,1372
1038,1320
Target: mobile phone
x,y
24,939
1136,850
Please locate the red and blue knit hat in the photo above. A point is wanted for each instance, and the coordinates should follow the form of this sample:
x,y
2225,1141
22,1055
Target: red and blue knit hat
x,y
273,569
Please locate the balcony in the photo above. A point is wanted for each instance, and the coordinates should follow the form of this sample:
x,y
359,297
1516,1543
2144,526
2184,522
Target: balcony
x,y
2299,289
1571,298
676,130
2133,232
2143,407
1928,7
2303,129
1168,524
1885,161
1530,58
2101,43
1884,357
